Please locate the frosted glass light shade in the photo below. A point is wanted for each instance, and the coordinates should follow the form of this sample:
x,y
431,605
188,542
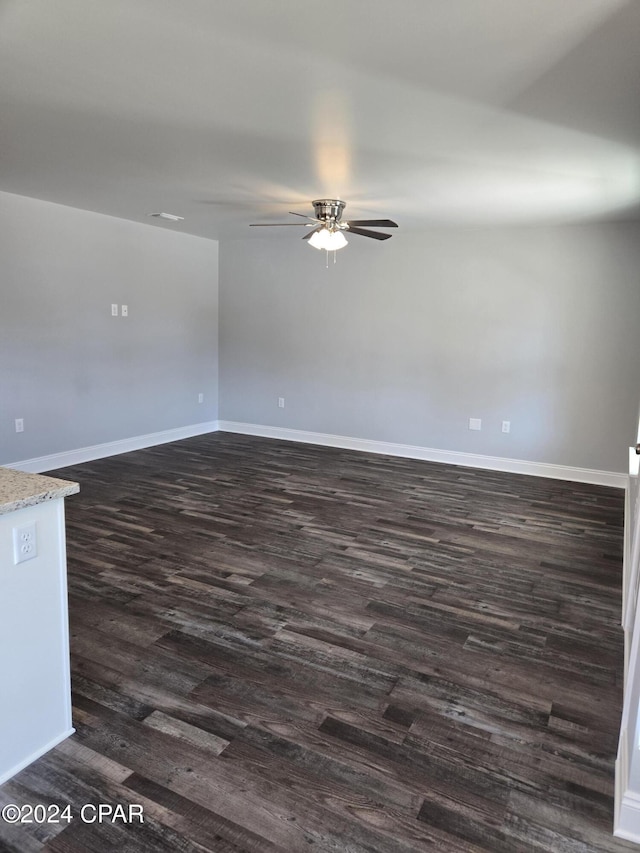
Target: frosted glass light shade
x,y
329,240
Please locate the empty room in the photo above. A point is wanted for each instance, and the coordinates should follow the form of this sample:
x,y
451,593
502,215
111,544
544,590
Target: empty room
x,y
319,406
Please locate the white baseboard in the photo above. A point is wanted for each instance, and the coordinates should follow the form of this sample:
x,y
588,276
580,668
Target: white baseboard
x,y
34,756
111,448
54,461
627,817
429,454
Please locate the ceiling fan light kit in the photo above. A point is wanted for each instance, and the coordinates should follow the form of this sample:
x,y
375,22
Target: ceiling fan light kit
x,y
331,241
327,228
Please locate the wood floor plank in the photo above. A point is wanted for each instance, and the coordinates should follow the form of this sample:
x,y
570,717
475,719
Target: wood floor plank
x,y
280,648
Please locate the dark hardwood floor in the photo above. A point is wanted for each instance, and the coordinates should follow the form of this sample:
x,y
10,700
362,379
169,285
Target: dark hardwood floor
x,y
281,647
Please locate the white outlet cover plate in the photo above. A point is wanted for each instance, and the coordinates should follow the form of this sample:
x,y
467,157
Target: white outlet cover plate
x,y
25,543
475,423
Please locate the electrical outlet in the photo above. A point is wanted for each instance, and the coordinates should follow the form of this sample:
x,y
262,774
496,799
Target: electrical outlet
x,y
114,309
201,398
25,543
475,423
281,402
125,311
19,424
506,426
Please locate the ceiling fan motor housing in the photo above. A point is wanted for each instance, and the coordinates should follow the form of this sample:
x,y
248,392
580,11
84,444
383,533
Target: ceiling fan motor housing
x,y
328,209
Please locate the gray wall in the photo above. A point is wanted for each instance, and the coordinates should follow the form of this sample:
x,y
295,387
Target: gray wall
x,y
399,342
76,375
404,341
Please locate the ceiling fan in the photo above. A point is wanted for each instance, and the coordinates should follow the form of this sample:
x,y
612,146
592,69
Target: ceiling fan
x,y
327,228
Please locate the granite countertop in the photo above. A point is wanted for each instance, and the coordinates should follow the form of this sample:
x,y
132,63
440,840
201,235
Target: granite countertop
x,y
19,489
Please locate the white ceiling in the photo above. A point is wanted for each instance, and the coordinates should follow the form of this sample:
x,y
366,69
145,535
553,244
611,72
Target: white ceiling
x,y
228,112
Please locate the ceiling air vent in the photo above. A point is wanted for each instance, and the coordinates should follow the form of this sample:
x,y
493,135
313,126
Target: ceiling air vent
x,y
170,216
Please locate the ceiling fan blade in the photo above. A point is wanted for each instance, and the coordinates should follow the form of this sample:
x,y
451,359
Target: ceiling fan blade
x,y
363,231
278,224
373,223
293,213
313,231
